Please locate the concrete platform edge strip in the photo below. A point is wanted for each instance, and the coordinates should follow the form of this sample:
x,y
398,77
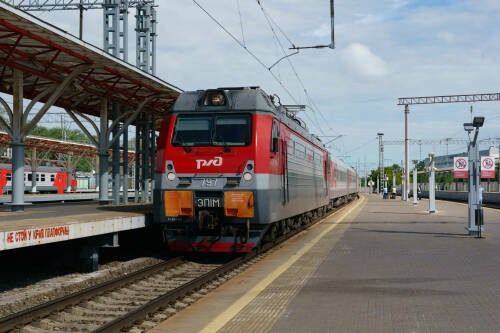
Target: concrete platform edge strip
x,y
13,239
219,322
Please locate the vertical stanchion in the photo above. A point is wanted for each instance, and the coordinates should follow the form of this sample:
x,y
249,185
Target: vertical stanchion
x,y
103,154
432,186
116,158
17,144
407,153
138,157
145,158
153,155
415,188
124,179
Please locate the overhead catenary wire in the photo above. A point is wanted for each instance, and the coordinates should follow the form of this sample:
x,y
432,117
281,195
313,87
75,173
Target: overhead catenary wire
x,y
252,54
241,22
286,56
247,50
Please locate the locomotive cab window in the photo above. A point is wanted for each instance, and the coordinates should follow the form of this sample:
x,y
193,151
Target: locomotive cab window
x,y
274,138
212,131
232,131
192,131
8,176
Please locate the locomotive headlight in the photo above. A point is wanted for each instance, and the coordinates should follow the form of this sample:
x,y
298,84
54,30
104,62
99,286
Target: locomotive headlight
x,y
215,98
247,176
171,176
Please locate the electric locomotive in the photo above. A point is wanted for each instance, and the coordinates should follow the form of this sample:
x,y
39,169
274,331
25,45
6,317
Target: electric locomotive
x,y
234,170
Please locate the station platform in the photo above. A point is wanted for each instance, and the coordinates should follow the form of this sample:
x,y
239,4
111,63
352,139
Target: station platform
x,y
48,223
374,266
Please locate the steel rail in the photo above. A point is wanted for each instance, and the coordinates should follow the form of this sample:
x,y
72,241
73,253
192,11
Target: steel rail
x,y
24,317
129,319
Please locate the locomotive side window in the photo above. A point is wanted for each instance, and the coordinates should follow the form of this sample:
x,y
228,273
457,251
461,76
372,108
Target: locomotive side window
x,y
30,177
9,176
52,178
42,177
274,138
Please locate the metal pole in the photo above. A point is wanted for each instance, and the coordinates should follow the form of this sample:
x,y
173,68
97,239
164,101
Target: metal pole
x,y
125,166
69,167
138,156
415,189
34,165
380,179
366,180
153,155
477,184
470,193
432,193
407,153
144,158
103,154
81,20
116,158
17,145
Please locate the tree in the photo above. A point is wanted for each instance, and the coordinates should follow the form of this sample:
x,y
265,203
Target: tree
x,y
70,135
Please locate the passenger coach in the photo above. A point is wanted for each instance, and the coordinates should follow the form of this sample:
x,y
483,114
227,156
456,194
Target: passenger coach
x,y
233,169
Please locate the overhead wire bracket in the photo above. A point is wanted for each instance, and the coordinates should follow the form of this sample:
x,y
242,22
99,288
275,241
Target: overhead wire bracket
x,y
332,42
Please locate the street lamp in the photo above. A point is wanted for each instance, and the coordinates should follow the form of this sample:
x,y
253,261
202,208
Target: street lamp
x,y
475,209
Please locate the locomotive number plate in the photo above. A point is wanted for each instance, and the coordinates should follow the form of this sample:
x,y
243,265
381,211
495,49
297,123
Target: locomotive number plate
x,y
208,182
208,202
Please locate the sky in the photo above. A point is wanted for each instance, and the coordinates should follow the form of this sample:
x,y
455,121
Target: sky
x,y
385,49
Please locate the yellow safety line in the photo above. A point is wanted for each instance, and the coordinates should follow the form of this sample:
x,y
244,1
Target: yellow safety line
x,y
236,307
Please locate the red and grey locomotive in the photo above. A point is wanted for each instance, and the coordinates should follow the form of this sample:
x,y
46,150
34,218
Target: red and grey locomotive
x,y
233,170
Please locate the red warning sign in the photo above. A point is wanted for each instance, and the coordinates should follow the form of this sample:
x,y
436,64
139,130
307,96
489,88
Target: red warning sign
x,y
460,167
487,167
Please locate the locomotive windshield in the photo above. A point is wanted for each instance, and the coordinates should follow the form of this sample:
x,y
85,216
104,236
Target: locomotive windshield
x,y
212,131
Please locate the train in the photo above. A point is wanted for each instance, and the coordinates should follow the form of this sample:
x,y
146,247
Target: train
x,y
49,179
235,169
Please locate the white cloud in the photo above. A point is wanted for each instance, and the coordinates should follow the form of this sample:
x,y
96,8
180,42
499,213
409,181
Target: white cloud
x,y
360,60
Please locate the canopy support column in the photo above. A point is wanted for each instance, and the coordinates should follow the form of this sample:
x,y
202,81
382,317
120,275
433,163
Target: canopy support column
x,y
17,144
34,165
103,154
124,180
116,157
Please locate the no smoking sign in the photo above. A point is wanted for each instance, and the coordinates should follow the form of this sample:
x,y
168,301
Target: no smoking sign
x,y
487,167
460,167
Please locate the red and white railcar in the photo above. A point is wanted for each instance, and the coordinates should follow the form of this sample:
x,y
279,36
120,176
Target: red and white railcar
x,y
48,179
233,170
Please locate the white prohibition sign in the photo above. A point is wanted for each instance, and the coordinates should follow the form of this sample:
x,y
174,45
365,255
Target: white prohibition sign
x,y
461,163
487,163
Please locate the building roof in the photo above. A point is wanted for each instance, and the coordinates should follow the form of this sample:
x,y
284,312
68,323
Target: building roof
x,y
46,54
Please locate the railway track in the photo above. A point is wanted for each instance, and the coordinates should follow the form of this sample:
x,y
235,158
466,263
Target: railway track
x,y
134,301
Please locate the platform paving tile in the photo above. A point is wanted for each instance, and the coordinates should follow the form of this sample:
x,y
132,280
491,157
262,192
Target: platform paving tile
x,y
398,269
267,307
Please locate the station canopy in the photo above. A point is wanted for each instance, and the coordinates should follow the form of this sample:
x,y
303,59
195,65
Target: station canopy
x,y
57,146
46,55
